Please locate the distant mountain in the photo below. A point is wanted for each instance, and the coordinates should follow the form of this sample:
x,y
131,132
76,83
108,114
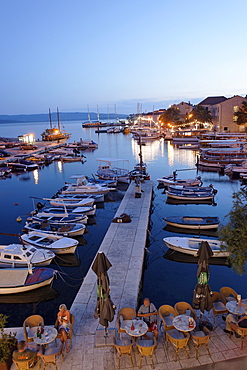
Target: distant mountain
x,y
44,117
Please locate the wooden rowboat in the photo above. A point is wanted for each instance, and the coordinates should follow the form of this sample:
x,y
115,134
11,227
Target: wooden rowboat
x,y
188,222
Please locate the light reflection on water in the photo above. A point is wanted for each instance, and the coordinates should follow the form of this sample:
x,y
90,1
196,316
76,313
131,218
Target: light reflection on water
x,y
165,282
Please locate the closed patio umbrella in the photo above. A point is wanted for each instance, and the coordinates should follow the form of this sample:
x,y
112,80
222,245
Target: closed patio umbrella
x,y
202,298
105,309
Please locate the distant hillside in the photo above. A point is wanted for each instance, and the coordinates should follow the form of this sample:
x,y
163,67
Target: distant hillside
x,y
44,117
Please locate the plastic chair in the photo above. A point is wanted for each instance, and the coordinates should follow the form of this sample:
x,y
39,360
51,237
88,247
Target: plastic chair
x,y
241,331
182,307
127,313
31,322
219,304
70,333
50,356
200,338
167,314
179,340
124,347
146,348
228,293
25,365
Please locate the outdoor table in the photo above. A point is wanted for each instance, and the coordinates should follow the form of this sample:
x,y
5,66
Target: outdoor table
x,y
235,308
140,327
47,337
181,323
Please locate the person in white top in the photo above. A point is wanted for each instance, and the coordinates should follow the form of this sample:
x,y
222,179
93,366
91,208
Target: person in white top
x,y
63,318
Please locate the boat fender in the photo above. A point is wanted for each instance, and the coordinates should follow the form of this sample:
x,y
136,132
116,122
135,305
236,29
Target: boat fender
x,y
215,191
39,205
19,219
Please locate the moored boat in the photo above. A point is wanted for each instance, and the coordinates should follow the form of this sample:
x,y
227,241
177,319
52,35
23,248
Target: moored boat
x,y
193,222
192,245
190,195
17,255
18,280
172,180
68,229
56,243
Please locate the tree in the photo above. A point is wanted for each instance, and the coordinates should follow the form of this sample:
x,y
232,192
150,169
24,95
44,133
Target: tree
x,y
200,114
234,233
242,114
171,115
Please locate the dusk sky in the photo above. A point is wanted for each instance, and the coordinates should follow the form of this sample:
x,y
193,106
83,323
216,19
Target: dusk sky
x,y
76,53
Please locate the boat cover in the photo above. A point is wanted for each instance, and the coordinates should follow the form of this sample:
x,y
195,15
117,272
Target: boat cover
x,y
13,277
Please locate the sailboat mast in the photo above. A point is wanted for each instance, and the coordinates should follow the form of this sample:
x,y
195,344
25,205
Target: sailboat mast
x,y
50,118
58,120
88,114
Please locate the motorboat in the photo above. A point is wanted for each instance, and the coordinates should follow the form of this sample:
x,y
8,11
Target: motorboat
x,y
110,169
82,186
59,217
88,211
192,245
209,188
72,202
18,255
72,158
56,243
172,180
22,165
193,222
18,280
68,229
190,195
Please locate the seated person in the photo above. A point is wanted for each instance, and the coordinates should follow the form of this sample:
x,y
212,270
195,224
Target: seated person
x,y
151,320
25,354
63,319
242,323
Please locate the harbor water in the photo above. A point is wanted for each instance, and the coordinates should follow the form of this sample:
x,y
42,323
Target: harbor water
x,y
166,279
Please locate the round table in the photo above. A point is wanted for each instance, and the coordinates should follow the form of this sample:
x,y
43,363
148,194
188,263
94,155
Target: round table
x,y
140,327
48,336
181,323
235,308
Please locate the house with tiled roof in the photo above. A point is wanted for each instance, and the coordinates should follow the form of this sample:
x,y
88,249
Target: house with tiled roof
x,y
222,110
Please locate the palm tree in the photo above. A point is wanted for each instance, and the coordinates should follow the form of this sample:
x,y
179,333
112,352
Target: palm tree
x,y
171,115
242,114
201,114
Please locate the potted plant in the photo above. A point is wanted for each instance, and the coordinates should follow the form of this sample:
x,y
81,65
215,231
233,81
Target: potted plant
x,y
8,343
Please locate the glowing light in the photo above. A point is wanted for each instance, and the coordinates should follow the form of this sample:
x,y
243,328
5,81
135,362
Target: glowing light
x,y
36,176
60,166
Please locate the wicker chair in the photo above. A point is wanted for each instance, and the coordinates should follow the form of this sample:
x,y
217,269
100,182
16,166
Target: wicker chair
x,y
146,348
51,354
124,347
31,322
228,293
166,314
241,331
219,304
24,365
182,307
178,339
71,332
127,313
200,338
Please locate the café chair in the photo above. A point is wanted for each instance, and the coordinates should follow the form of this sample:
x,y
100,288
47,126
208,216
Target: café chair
x,y
124,347
241,331
146,348
200,338
219,304
228,293
51,355
71,332
25,365
183,307
166,315
126,313
179,340
29,325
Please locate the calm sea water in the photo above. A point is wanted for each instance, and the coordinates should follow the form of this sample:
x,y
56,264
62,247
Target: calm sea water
x,y
164,281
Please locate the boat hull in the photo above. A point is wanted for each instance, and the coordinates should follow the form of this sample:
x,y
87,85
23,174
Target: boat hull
x,y
200,223
193,197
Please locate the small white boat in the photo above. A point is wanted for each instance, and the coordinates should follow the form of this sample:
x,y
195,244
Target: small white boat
x,y
82,186
18,280
56,243
110,170
172,180
190,195
71,202
55,229
188,222
17,255
88,211
88,199
72,158
60,218
192,245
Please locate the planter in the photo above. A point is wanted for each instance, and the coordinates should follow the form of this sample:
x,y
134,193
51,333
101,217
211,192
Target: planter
x,y
7,364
